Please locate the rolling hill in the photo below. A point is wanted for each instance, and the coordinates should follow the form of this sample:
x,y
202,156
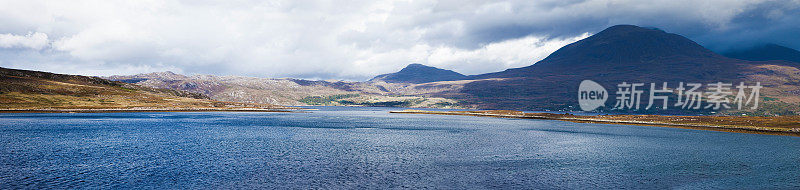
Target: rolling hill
x,y
30,90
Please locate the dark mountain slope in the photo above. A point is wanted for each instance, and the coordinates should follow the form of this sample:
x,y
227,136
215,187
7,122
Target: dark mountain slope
x,y
623,53
766,52
628,50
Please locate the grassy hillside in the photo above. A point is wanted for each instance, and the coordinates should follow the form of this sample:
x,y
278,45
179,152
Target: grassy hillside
x,y
21,89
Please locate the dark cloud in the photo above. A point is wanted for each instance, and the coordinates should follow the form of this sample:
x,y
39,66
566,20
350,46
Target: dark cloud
x,y
766,22
715,24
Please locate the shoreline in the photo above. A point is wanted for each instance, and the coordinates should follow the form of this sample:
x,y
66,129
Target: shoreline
x,y
288,109
619,119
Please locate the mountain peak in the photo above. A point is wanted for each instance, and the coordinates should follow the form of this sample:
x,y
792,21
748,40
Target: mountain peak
x,y
618,54
416,67
629,43
419,73
622,28
625,49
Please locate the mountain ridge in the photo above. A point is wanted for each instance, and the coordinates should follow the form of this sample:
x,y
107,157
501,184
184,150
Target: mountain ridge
x,y
765,52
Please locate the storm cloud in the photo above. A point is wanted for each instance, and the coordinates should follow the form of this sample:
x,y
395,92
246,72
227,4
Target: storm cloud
x,y
352,40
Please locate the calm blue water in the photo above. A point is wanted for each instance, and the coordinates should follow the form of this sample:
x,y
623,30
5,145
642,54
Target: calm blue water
x,y
337,148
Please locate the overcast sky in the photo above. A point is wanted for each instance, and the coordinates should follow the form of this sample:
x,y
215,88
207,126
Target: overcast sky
x,y
352,40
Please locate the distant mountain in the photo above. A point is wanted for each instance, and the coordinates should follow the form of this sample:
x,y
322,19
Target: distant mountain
x,y
24,89
622,53
625,50
765,52
418,73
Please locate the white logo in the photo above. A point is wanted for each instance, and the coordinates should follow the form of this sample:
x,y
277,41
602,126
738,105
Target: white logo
x,y
591,95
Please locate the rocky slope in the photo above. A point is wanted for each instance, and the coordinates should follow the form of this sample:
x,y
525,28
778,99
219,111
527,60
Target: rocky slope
x,y
295,92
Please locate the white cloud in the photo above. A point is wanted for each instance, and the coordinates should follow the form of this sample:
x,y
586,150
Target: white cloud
x,y
353,39
510,54
35,41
